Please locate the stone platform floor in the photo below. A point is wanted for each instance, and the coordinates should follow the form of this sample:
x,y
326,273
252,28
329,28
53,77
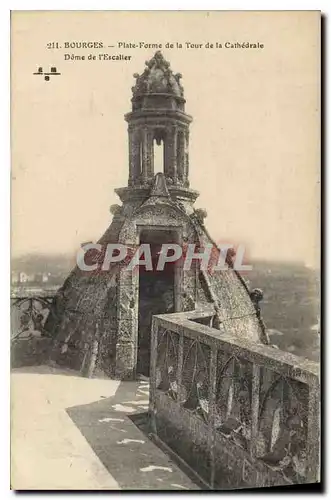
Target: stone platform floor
x,y
70,432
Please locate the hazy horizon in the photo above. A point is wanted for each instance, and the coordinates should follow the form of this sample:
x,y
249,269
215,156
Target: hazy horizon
x,y
72,255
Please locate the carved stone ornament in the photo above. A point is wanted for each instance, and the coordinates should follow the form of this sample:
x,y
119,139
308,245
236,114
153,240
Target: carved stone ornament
x,y
157,78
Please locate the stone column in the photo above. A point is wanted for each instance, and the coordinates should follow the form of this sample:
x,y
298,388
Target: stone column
x,y
174,153
135,160
131,157
186,154
171,154
150,154
181,155
144,157
147,155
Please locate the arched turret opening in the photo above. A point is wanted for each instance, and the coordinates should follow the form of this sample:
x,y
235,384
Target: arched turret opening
x,y
158,150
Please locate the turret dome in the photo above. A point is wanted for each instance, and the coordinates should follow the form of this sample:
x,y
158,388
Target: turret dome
x,y
157,78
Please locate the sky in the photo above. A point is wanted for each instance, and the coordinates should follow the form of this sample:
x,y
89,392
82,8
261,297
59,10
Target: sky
x,y
254,140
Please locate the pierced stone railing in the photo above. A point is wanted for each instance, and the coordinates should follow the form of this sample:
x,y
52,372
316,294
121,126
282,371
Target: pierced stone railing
x,y
30,342
239,414
29,314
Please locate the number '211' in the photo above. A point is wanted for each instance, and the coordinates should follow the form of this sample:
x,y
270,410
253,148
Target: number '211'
x,y
53,45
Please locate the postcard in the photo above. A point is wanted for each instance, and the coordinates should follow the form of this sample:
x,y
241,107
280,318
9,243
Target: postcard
x,y
165,250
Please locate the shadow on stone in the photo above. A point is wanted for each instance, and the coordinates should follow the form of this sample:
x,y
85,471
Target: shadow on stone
x,y
118,432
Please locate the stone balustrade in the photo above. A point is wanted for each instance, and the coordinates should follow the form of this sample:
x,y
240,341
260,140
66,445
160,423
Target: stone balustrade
x,y
30,343
238,413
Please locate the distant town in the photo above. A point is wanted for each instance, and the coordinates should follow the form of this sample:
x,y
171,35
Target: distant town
x,y
38,278
36,271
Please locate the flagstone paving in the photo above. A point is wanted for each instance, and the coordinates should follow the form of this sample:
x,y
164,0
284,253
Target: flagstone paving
x,y
69,432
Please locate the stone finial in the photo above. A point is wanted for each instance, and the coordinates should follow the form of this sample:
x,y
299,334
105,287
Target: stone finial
x,y
201,214
178,77
158,61
157,77
115,209
256,295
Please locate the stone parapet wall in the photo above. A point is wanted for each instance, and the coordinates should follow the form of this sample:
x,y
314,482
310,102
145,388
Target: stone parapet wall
x,y
239,413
